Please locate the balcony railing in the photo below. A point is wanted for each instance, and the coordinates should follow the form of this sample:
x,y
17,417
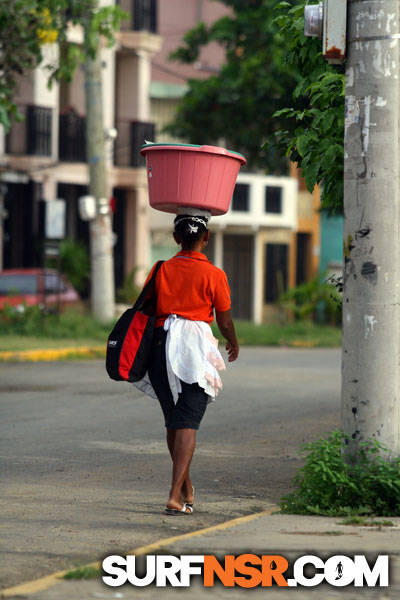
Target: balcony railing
x,y
72,137
131,136
143,15
31,136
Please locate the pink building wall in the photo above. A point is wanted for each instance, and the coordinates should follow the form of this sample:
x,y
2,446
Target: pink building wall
x,y
175,18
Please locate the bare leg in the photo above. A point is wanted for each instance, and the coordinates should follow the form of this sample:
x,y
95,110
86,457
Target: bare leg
x,y
183,448
187,487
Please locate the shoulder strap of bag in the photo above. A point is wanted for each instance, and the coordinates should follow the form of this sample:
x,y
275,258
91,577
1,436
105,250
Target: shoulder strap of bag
x,y
149,287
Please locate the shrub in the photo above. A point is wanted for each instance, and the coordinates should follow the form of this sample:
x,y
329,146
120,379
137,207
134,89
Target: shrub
x,y
22,319
313,299
74,263
31,320
129,291
329,484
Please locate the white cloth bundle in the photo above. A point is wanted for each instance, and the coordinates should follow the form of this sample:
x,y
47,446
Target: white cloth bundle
x,y
192,356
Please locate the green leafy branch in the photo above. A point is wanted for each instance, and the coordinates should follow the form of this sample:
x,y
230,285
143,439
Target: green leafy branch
x,y
27,25
237,104
314,131
330,484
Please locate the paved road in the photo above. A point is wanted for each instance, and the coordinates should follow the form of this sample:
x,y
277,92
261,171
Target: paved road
x,y
85,470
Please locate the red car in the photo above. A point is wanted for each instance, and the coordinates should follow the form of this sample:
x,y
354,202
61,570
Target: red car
x,y
44,287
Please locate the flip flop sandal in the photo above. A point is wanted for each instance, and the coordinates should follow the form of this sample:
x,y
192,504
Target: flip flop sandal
x,y
180,511
190,504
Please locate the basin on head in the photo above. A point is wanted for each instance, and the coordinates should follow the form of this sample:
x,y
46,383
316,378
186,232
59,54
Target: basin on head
x,y
193,176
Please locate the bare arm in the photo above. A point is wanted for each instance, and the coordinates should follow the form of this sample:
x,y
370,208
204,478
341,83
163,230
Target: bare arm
x,y
227,328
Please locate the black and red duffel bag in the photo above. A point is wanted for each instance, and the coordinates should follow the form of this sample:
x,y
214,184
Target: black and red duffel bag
x,y
129,343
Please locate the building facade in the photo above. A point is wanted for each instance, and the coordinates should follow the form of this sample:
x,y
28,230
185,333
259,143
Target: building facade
x,y
43,158
267,242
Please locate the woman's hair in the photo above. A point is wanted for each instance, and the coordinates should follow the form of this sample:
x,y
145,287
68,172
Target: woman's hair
x,y
189,229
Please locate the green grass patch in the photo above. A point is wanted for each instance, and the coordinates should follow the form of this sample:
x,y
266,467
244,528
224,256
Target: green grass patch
x,y
93,353
31,329
366,522
88,572
331,484
71,324
296,334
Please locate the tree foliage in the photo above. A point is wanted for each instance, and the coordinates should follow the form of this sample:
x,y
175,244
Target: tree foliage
x,y
26,25
313,133
274,98
238,103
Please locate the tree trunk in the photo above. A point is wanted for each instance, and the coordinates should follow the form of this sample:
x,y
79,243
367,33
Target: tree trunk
x,y
101,238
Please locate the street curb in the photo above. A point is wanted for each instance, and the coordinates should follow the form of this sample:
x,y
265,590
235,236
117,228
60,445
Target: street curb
x,y
53,354
38,585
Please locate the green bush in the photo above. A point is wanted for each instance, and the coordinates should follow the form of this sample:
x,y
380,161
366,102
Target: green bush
x,y
26,320
329,484
74,263
31,320
129,291
313,299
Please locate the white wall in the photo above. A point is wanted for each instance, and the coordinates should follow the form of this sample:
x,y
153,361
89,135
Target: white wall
x,y
256,217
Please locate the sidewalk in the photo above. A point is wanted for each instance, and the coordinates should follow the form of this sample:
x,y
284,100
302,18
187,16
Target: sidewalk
x,y
263,533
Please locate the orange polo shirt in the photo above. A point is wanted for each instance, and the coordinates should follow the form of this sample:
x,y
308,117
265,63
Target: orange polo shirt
x,y
190,286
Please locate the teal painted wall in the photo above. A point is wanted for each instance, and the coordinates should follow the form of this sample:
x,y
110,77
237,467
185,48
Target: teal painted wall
x,y
331,241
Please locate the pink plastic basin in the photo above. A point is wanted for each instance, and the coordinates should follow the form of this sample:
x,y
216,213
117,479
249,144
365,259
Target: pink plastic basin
x,y
187,175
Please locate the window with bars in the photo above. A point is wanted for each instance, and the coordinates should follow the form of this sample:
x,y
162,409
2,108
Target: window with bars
x,y
72,137
38,130
140,132
303,257
276,276
145,15
273,199
240,199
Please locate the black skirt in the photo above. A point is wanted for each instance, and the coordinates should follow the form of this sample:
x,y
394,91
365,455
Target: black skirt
x,y
189,410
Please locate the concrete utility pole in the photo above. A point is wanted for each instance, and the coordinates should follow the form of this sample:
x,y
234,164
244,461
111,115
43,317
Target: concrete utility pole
x,y
371,297
101,242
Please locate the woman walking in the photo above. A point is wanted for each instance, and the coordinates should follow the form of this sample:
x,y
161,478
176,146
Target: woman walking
x,y
183,372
